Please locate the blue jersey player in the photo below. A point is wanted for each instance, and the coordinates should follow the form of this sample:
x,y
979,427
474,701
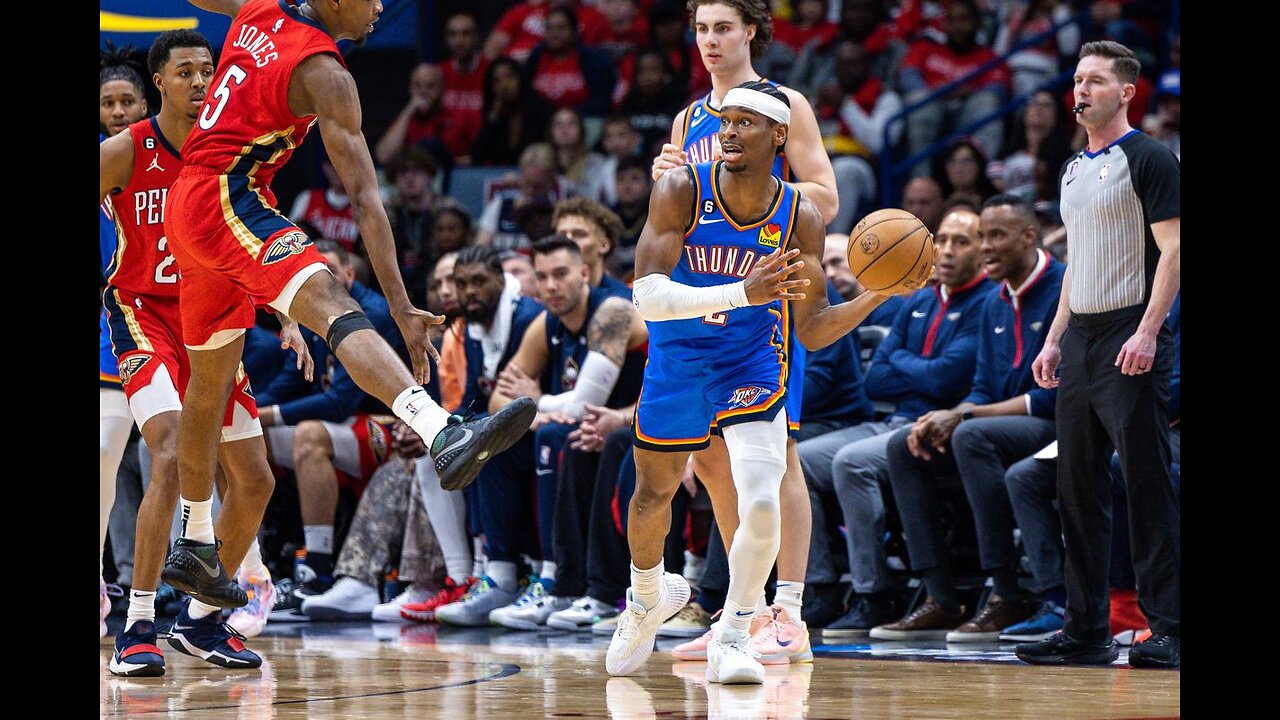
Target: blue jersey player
x,y
714,287
729,34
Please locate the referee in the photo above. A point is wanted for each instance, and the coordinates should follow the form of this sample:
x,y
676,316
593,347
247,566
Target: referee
x,y
1110,354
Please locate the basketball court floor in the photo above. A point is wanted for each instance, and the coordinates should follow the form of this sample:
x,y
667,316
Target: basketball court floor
x,y
421,672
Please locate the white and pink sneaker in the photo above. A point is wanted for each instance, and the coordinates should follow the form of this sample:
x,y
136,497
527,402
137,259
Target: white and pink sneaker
x,y
696,649
782,640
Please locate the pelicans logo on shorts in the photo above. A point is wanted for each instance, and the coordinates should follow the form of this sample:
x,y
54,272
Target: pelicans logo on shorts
x,y
771,235
284,246
747,396
377,443
131,365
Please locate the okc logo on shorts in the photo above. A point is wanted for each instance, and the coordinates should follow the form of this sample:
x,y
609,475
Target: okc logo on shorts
x,y
747,396
131,365
771,235
284,246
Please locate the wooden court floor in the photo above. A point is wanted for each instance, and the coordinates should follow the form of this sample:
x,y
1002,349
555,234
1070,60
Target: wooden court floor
x,y
419,672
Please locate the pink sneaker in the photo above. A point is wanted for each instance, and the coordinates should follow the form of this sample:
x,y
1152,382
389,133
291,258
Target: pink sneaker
x,y
782,640
696,649
104,609
251,619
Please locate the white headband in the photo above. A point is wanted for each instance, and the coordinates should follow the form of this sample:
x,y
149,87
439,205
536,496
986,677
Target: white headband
x,y
763,103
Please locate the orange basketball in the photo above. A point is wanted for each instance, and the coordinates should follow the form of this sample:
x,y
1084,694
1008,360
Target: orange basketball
x,y
891,252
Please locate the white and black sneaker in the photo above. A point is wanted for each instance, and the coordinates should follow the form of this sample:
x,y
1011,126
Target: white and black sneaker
x,y
463,446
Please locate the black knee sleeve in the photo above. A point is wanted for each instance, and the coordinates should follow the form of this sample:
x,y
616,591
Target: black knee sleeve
x,y
344,325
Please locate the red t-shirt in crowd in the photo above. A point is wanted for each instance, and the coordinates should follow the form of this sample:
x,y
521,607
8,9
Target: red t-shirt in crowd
x,y
560,80
939,65
525,25
795,37
463,101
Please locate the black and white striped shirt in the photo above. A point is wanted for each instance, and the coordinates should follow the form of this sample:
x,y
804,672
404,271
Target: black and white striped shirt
x,y
1110,199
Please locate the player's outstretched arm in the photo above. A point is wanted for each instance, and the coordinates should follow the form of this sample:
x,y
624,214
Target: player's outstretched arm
x,y
223,7
322,87
115,164
818,323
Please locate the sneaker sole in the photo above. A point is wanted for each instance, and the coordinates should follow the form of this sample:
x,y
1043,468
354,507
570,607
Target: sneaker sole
x,y
1089,658
328,614
232,596
786,658
690,656
682,632
567,626
742,676
461,622
845,634
498,435
125,669
883,634
968,637
1026,637
287,616
515,624
387,616
418,617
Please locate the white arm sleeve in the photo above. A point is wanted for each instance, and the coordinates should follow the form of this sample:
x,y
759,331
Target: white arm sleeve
x,y
595,384
658,297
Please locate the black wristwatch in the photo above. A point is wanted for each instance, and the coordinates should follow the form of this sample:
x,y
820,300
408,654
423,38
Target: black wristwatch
x,y
966,414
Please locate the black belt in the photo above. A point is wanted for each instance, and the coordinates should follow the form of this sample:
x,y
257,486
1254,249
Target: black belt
x,y
1096,320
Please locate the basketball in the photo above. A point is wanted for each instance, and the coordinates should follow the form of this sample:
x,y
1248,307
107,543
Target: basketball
x,y
891,252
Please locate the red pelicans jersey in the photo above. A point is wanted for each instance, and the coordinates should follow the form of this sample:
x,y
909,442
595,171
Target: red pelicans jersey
x,y
245,127
142,264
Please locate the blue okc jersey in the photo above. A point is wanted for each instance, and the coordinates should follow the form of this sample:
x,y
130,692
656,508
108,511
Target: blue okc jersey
x,y
706,373
108,373
701,139
568,351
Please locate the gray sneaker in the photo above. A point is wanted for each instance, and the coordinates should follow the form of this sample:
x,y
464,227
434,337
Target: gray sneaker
x,y
473,610
530,610
464,446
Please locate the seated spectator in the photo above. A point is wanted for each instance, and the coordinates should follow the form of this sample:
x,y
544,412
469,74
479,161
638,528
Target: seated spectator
x,y
587,348
1036,136
961,171
568,73
653,98
628,28
923,198
669,33
583,168
808,26
464,74
329,431
596,230
519,266
451,229
930,65
852,115
1004,418
424,122
442,299
389,529
506,219
634,185
618,140
328,209
523,25
411,212
925,362
1165,124
515,115
1037,64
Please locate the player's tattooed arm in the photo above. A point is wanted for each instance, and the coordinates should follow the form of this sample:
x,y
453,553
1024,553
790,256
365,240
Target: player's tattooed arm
x,y
610,329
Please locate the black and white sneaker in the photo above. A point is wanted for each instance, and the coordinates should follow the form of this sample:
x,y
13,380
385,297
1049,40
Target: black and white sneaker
x,y
463,446
194,568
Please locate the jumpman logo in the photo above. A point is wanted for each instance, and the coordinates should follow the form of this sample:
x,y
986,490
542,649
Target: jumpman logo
x,y
155,164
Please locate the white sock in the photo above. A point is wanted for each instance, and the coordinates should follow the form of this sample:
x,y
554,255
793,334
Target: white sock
x,y
503,574
319,538
761,603
447,512
252,565
416,408
735,617
481,561
197,519
197,609
644,585
789,597
548,571
142,606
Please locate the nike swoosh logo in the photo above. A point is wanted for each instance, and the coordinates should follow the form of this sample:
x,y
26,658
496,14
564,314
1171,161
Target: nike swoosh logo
x,y
1071,181
784,643
212,570
466,436
918,313
702,220
999,329
743,614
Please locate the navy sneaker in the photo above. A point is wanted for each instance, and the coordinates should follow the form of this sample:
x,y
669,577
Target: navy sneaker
x,y
865,613
211,639
137,654
464,446
194,568
1048,620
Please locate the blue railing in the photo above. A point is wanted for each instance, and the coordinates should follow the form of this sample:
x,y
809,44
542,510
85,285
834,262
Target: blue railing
x,y
890,171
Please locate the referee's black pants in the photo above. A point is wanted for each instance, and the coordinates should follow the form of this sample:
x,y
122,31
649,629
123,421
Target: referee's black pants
x,y
1099,410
